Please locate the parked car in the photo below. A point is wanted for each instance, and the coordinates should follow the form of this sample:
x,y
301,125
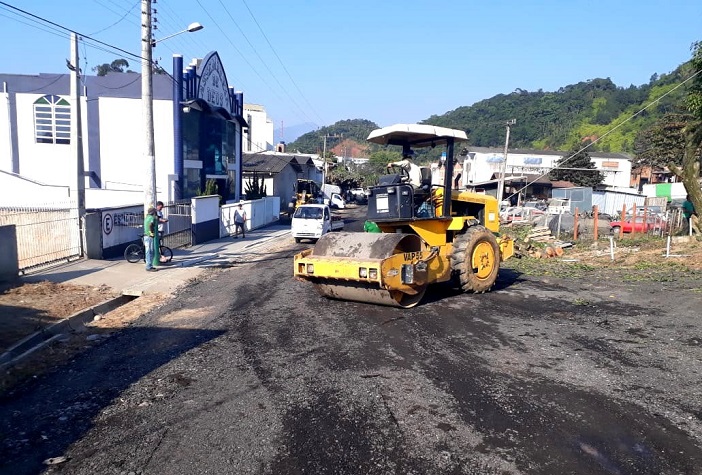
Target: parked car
x,y
648,210
537,208
558,206
638,225
360,195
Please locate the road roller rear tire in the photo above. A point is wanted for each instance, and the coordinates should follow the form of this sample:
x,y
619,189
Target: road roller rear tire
x,y
475,260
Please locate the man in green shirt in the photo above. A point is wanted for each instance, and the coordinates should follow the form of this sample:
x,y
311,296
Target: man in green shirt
x,y
690,216
149,233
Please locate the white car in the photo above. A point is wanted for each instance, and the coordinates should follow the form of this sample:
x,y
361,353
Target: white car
x,y
558,206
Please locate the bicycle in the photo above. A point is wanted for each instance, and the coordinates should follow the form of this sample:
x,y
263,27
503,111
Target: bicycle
x,y
137,252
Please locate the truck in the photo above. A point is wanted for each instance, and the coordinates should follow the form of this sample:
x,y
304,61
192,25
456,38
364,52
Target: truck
x,y
331,195
429,234
312,221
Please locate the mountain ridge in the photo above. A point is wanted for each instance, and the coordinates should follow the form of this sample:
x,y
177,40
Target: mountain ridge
x,y
595,110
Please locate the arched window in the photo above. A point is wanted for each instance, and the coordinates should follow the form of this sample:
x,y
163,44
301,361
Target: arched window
x,y
52,120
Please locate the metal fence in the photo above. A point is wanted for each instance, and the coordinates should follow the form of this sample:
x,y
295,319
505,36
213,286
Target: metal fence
x,y
177,232
178,229
45,234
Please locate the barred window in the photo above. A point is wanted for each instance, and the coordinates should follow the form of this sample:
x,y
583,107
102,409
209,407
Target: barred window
x,y
52,120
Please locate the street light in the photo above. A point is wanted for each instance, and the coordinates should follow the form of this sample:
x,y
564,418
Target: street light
x,y
191,28
147,99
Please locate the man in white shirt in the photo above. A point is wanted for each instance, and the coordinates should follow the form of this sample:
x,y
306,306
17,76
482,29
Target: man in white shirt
x,y
161,219
413,171
239,221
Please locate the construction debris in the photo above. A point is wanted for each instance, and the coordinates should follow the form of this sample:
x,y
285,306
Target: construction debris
x,y
539,234
533,244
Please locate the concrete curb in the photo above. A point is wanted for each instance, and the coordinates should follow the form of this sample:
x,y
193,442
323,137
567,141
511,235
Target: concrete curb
x,y
39,339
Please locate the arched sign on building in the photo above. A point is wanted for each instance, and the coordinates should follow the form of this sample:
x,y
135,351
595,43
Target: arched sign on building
x,y
213,86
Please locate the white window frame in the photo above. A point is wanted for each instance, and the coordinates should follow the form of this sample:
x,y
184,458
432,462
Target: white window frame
x,y
52,120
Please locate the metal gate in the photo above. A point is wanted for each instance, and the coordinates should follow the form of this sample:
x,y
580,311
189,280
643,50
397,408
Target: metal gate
x,y
45,233
178,229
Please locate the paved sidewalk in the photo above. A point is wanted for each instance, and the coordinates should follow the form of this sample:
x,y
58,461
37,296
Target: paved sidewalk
x,y
187,263
132,280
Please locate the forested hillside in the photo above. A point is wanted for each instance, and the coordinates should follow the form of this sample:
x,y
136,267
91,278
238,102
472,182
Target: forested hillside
x,y
313,142
563,119
560,120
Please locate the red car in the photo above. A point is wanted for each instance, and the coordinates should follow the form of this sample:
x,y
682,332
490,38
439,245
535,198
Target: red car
x,y
652,224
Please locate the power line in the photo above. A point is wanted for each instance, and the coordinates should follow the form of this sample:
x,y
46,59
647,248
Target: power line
x,y
280,60
86,38
244,57
625,121
259,56
18,18
70,30
118,21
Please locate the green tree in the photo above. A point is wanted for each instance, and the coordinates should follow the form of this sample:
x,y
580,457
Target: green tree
x,y
211,187
117,66
663,142
689,171
577,168
122,66
255,188
377,165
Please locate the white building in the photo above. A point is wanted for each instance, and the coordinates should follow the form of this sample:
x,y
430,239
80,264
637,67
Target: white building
x,y
485,164
199,131
259,136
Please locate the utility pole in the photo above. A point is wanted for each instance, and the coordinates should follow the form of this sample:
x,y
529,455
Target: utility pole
x,y
501,183
324,155
147,101
77,138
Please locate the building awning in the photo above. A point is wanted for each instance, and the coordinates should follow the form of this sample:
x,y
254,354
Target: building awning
x,y
203,106
241,121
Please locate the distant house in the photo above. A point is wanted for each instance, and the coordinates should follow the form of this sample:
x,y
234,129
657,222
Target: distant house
x,y
526,171
279,171
484,164
649,175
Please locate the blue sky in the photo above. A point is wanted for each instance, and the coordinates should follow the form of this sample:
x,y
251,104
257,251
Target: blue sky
x,y
387,61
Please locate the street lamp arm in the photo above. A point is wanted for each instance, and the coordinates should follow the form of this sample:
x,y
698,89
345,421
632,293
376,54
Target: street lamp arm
x,y
191,28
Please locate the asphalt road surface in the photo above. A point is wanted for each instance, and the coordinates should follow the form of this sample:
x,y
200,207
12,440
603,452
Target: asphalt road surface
x,y
251,372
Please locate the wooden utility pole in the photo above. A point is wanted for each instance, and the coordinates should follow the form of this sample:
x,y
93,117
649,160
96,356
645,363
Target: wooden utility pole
x,y
147,103
324,155
501,183
77,138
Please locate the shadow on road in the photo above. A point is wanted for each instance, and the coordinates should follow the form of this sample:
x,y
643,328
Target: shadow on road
x,y
42,418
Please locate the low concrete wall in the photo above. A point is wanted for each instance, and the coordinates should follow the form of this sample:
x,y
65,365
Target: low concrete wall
x,y
206,216
93,235
110,230
259,213
118,228
9,259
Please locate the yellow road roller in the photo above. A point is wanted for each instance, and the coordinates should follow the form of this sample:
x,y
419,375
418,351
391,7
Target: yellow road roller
x,y
424,238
